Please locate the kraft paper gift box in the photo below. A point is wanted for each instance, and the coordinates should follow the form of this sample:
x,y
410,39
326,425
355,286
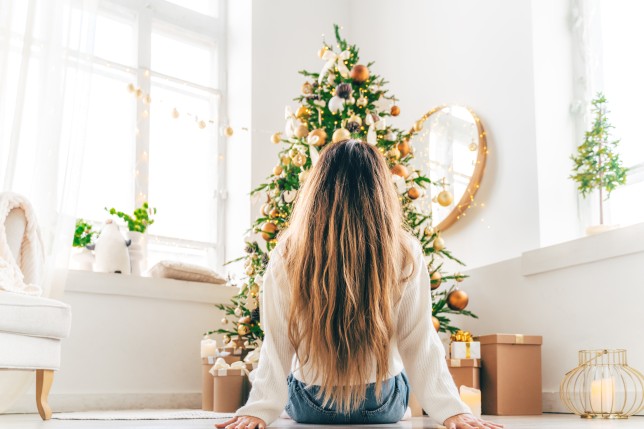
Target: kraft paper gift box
x,y
465,372
511,374
207,378
465,350
230,389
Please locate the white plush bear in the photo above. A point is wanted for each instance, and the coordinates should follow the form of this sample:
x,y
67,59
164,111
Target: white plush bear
x,y
111,250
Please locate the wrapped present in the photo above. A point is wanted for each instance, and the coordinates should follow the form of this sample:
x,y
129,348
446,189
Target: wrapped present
x,y
463,346
208,354
465,372
237,348
511,374
230,385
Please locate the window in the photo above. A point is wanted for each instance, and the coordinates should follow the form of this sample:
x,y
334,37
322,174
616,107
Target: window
x,y
153,123
620,78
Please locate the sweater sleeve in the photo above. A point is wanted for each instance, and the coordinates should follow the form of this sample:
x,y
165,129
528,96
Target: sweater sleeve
x,y
269,393
421,350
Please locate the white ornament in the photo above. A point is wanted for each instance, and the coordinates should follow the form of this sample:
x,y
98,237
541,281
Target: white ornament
x,y
336,104
319,103
351,100
315,156
238,312
399,183
111,251
362,101
381,124
391,136
289,197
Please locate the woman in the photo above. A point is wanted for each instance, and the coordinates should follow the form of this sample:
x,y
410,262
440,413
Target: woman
x,y
348,295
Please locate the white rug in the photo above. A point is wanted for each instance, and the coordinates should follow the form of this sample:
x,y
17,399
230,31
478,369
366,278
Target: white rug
x,y
142,415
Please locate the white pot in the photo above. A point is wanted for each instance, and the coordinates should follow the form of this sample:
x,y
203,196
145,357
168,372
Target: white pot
x,y
138,252
598,229
82,259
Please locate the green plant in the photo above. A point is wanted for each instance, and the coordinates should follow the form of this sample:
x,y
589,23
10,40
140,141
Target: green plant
x,y
140,220
597,164
83,234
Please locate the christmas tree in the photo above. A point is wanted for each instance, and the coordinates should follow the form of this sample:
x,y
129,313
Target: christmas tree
x,y
344,100
597,164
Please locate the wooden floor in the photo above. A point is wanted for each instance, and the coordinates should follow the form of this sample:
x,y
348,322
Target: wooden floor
x,y
555,421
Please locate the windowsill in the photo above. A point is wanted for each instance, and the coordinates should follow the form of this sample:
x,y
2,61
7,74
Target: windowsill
x,y
147,287
610,244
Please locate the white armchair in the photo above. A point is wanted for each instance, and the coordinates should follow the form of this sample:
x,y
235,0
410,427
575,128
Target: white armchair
x,y
31,328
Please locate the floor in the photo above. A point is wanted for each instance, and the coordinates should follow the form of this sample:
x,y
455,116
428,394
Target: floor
x,y
554,421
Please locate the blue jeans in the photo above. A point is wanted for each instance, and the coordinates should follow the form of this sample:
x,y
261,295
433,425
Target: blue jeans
x,y
304,407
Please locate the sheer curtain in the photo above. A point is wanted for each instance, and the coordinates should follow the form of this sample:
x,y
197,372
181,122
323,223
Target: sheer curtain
x,y
44,88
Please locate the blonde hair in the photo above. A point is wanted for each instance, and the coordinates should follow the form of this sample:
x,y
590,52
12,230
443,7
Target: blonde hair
x,y
345,253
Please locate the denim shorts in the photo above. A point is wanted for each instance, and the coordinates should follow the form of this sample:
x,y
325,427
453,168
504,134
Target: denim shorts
x,y
304,407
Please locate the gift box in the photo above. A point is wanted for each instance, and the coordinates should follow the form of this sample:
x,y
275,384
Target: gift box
x,y
511,374
230,386
465,350
465,372
206,385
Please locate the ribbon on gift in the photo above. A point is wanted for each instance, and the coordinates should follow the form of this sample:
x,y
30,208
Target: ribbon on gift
x,y
252,358
332,59
220,368
463,337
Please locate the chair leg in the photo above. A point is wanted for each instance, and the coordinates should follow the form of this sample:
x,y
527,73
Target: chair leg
x,y
44,380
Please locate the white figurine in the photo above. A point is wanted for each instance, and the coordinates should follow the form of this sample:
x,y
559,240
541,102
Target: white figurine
x,y
111,250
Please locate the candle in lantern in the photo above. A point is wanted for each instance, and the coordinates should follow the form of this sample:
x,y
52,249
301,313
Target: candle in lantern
x,y
472,398
208,347
602,395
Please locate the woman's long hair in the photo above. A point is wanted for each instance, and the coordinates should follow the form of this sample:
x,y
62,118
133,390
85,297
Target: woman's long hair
x,y
346,252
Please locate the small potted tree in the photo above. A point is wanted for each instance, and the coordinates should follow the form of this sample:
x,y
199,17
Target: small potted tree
x,y
137,225
597,165
84,235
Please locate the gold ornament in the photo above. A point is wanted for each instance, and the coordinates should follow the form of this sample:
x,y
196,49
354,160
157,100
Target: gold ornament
x,y
201,124
276,138
362,101
245,319
131,87
400,170
457,300
254,288
224,320
413,193
444,198
437,323
285,160
418,125
175,113
299,160
243,330
228,131
458,277
436,280
355,118
429,231
303,112
268,230
307,88
250,270
301,131
473,146
277,170
292,152
359,73
439,243
394,153
340,134
395,110
317,137
274,213
404,148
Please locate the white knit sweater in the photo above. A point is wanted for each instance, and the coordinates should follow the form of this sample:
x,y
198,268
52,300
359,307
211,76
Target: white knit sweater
x,y
415,347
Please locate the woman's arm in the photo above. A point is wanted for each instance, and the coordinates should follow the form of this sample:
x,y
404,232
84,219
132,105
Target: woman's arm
x,y
269,394
422,351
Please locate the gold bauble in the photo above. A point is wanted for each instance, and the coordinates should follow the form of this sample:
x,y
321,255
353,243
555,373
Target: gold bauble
x,y
250,270
243,330
301,131
268,230
473,146
276,138
439,244
418,125
429,231
307,88
285,160
457,300
355,118
299,160
224,320
395,154
254,288
228,131
340,134
359,73
436,280
395,110
303,112
413,193
245,319
404,148
292,152
274,213
437,323
458,277
317,137
277,170
444,198
322,51
400,170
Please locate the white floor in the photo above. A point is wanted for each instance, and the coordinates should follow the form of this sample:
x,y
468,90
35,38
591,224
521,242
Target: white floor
x,y
555,421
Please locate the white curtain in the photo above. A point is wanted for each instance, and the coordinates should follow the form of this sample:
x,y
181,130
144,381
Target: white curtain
x,y
44,88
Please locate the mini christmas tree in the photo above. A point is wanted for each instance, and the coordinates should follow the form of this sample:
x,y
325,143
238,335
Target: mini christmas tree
x,y
345,100
597,164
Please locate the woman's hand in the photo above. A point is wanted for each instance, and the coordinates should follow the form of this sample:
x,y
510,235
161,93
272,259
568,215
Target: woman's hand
x,y
468,421
243,422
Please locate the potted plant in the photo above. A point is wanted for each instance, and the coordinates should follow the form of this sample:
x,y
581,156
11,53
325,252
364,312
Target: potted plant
x,y
597,165
84,235
137,225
